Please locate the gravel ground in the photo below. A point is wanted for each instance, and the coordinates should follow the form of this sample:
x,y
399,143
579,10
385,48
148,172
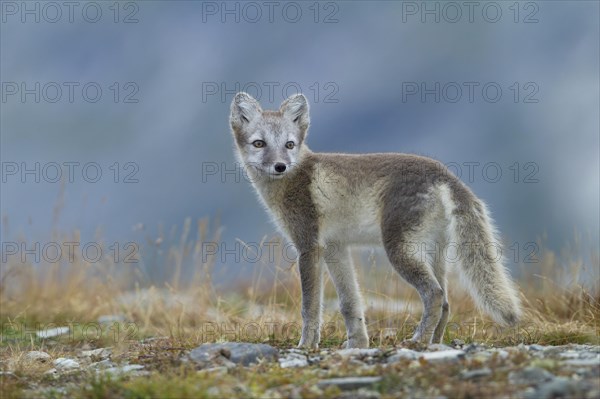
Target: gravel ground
x,y
457,370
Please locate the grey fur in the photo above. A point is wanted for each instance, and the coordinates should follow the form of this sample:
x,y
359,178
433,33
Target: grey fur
x,y
398,201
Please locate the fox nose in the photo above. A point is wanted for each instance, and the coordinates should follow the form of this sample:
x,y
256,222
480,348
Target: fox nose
x,y
279,167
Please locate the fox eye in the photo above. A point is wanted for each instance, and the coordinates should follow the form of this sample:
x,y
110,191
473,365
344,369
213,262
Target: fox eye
x,y
289,145
259,143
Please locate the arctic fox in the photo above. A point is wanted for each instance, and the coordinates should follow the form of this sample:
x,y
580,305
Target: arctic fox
x,y
327,202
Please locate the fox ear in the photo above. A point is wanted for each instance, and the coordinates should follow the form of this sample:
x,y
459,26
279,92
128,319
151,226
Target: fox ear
x,y
296,109
244,108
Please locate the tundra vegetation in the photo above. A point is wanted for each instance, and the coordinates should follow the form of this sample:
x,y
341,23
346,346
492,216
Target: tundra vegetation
x,y
104,329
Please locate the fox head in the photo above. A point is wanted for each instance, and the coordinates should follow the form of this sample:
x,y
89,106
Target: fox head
x,y
271,143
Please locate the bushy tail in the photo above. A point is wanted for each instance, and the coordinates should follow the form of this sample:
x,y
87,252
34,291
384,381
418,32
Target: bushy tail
x,y
481,260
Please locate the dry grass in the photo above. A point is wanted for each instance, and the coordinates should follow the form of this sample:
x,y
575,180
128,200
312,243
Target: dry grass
x,y
560,294
560,305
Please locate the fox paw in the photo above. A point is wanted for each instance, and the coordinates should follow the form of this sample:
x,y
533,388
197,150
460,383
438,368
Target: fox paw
x,y
362,343
309,341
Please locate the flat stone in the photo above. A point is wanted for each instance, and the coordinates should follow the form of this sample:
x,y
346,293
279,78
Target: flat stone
x,y
402,354
589,355
293,360
452,354
235,352
471,348
569,355
582,362
438,347
102,364
358,352
37,356
536,347
349,383
530,376
127,369
474,374
63,363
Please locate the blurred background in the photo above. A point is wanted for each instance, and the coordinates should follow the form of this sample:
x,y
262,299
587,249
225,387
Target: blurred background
x,y
114,115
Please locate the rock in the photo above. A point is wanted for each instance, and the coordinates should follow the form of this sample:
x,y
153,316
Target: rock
x,y
472,348
403,353
64,364
443,355
536,347
37,356
529,376
52,332
560,387
589,355
357,352
233,352
293,360
97,354
583,362
439,347
103,364
349,383
127,369
569,355
474,374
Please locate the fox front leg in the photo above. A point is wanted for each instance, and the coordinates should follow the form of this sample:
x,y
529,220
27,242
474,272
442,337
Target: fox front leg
x,y
341,270
311,278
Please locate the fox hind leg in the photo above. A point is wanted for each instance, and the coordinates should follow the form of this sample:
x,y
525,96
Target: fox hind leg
x,y
439,271
406,260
